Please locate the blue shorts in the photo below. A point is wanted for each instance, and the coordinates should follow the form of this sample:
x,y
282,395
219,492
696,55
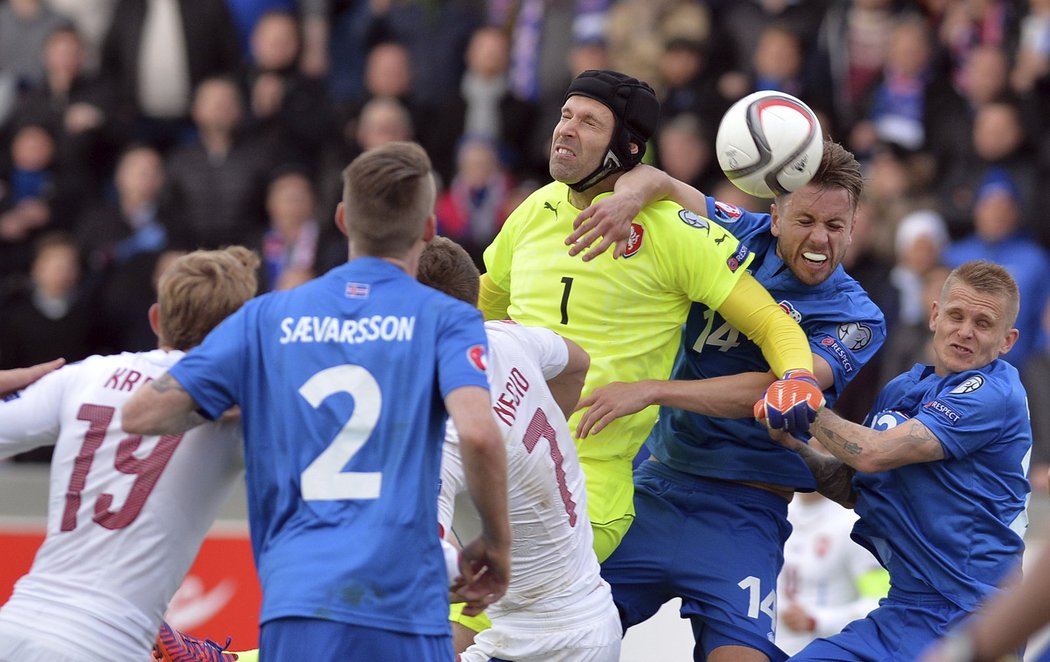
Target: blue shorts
x,y
294,639
716,545
903,626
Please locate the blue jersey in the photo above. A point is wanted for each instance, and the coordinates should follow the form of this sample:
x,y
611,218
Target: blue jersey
x,y
955,526
341,384
842,325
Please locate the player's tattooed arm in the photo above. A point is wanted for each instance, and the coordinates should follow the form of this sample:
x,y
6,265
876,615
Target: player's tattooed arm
x,y
167,384
834,477
869,450
163,407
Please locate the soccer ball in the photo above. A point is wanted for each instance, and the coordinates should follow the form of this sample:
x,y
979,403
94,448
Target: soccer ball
x,y
769,143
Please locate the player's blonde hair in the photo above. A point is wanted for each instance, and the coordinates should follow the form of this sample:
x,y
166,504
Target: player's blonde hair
x,y
201,289
987,278
446,266
388,193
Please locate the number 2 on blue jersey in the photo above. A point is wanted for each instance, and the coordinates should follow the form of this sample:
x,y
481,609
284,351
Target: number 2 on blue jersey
x,y
324,479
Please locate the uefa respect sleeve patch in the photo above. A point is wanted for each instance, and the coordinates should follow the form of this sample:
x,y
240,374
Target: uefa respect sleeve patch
x,y
834,348
945,411
737,258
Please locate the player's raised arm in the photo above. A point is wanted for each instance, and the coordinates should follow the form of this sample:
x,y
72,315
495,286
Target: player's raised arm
x,y
609,218
161,407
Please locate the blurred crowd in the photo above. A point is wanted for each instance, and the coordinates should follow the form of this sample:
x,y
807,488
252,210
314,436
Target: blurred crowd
x,y
132,130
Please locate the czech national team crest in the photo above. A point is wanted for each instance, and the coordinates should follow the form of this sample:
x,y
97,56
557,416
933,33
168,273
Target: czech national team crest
x,y
477,358
634,242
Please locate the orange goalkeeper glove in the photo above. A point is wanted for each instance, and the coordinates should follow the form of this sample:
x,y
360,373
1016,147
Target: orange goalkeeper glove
x,y
791,403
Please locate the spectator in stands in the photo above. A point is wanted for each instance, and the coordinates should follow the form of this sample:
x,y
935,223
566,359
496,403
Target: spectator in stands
x,y
778,63
435,35
638,31
32,199
382,120
77,106
50,314
214,192
998,237
967,27
24,28
291,244
690,83
853,43
479,198
91,19
985,73
919,246
685,151
998,142
121,239
896,110
742,24
48,303
157,52
487,107
288,110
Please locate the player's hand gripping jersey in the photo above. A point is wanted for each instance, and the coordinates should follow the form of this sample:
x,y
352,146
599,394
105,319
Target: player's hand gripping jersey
x,y
626,313
842,324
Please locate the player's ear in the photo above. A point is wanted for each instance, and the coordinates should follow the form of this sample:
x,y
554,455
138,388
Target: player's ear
x,y
154,318
430,228
934,312
1008,341
340,218
774,222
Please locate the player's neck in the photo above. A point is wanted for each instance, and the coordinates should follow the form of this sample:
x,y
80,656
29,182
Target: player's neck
x,y
583,199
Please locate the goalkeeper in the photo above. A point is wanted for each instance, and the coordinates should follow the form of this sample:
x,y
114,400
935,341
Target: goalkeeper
x,y
627,313
712,501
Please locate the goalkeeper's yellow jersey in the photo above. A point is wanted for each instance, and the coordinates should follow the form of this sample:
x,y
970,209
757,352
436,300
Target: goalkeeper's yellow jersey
x,y
627,313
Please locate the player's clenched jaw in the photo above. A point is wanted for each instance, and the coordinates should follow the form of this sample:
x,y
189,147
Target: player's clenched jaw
x,y
813,227
970,329
581,139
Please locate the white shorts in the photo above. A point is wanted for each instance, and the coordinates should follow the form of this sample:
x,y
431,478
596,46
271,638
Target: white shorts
x,y
588,631
32,632
17,645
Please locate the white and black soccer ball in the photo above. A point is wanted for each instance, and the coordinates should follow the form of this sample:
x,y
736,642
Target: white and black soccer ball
x,y
769,143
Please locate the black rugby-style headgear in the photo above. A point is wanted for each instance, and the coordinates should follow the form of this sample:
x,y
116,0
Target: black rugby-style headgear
x,y
636,109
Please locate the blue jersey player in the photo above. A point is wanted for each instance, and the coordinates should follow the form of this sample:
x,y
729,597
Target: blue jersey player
x,y
938,475
712,500
343,385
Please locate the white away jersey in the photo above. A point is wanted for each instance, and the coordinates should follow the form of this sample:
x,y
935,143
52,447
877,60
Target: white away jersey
x,y
822,567
126,513
552,558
